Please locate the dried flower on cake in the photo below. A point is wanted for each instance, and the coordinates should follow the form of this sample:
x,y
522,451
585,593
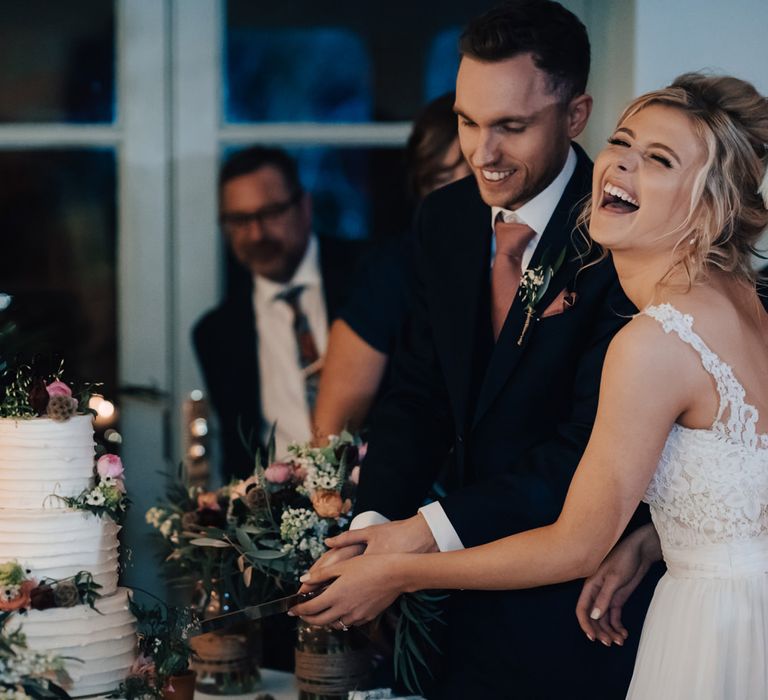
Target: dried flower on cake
x,y
66,594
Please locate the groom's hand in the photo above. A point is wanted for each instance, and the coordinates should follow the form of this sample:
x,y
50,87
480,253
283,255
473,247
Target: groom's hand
x,y
400,536
605,592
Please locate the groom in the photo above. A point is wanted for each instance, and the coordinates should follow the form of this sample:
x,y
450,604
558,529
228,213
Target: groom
x,y
503,386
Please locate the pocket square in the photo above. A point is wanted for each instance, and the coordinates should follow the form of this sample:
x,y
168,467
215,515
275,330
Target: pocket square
x,y
562,302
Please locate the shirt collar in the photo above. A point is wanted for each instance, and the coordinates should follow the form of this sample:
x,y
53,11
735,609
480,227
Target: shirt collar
x,y
307,274
537,212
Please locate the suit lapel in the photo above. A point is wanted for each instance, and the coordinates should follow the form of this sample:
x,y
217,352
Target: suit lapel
x,y
557,236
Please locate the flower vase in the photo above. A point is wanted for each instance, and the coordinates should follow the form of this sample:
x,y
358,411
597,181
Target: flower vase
x,y
329,662
227,662
180,687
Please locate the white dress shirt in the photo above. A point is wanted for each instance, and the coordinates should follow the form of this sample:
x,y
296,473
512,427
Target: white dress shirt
x,y
536,213
283,395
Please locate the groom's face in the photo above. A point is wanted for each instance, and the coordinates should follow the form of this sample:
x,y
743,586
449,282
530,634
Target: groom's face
x,y
514,128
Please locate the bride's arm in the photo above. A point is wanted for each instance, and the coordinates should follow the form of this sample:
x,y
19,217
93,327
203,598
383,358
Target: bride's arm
x,y
646,385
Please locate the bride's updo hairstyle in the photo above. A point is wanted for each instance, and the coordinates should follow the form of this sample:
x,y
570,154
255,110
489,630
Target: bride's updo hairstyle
x,y
728,211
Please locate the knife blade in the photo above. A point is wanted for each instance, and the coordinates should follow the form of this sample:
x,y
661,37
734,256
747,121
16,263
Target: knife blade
x,y
252,612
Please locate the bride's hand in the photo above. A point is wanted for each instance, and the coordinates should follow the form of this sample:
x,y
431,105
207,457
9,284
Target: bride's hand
x,y
605,592
362,588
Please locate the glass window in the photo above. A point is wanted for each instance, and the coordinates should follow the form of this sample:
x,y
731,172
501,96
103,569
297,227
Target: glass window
x,y
442,63
58,61
372,62
314,75
57,269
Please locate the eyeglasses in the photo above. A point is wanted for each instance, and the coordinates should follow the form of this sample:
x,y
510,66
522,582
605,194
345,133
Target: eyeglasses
x,y
266,216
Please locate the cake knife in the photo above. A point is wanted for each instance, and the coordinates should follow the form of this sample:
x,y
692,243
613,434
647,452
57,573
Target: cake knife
x,y
252,612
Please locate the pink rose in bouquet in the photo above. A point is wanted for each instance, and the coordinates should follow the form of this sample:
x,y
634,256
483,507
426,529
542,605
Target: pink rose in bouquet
x,y
58,388
279,472
208,500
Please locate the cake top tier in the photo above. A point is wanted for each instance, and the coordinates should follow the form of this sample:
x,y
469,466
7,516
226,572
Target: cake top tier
x,y
40,457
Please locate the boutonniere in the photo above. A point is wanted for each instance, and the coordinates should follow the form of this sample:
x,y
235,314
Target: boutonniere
x,y
534,284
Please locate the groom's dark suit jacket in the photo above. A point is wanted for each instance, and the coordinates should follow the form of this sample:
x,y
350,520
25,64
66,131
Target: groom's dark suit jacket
x,y
515,419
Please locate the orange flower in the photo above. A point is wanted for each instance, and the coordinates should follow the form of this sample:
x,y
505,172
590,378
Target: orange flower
x,y
327,504
23,600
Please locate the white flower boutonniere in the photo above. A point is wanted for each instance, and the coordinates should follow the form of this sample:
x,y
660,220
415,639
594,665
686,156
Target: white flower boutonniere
x,y
534,284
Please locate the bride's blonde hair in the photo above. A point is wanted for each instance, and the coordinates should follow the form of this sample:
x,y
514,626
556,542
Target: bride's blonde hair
x,y
727,213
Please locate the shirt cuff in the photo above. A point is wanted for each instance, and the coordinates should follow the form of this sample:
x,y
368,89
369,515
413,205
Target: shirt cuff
x,y
366,519
445,535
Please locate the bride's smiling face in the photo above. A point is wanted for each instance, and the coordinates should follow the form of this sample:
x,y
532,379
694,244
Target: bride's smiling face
x,y
643,181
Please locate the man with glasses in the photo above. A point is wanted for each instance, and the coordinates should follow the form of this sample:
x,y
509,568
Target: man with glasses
x,y
261,350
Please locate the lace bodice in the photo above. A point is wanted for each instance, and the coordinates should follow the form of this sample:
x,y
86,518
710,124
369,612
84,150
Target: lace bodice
x,y
711,485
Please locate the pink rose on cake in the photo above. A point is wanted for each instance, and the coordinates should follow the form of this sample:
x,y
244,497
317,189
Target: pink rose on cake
x,y
58,388
110,470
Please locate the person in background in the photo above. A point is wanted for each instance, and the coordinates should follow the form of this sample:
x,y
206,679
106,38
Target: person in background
x,y
260,350
362,339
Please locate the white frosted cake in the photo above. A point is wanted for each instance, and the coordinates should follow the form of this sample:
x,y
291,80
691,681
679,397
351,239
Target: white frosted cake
x,y
40,457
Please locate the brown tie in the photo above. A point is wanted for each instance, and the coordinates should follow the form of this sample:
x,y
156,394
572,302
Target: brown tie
x,y
511,242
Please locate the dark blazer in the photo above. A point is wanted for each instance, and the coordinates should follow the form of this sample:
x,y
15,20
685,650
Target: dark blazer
x,y
517,418
226,346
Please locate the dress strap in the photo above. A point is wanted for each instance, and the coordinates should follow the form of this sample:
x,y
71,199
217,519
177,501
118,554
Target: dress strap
x,y
742,417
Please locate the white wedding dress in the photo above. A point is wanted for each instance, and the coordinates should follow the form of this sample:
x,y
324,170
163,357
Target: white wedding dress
x,y
706,633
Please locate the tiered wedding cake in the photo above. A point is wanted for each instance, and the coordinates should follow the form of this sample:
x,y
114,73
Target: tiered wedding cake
x,y
40,457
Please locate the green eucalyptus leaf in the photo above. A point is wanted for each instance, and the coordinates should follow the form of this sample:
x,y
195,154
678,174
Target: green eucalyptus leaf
x,y
208,542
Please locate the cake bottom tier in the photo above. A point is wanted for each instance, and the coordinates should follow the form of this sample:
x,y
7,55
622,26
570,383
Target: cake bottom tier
x,y
102,645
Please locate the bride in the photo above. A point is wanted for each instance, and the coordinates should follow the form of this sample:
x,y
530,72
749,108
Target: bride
x,y
679,200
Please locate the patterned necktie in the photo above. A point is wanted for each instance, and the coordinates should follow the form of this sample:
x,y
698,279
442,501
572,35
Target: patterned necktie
x,y
511,241
309,358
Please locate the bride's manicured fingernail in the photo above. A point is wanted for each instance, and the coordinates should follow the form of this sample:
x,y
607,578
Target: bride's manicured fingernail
x,y
607,643
291,614
590,637
619,641
305,578
595,614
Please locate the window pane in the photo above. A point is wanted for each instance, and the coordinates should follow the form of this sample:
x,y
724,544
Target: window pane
x,y
335,62
57,270
330,81
442,63
58,61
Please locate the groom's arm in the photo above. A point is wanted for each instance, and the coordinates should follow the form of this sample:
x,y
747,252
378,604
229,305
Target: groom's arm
x,y
532,491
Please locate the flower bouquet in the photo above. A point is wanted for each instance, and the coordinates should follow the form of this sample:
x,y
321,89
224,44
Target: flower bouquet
x,y
254,539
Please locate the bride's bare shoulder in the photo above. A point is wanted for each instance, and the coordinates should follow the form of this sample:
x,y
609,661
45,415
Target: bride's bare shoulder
x,y
645,348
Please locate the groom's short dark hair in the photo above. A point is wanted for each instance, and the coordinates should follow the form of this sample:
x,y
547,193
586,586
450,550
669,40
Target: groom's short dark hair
x,y
555,37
